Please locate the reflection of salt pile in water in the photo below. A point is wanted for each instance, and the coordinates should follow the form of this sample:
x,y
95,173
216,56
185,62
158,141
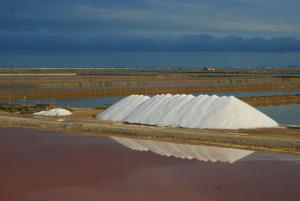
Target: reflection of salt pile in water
x,y
185,151
54,112
188,111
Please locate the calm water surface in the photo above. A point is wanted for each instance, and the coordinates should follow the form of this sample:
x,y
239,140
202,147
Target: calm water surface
x,y
151,59
46,166
284,114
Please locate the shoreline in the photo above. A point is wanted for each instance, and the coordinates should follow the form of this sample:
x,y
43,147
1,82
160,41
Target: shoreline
x,y
286,140
14,95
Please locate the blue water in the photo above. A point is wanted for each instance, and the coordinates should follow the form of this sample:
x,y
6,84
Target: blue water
x,y
283,114
150,59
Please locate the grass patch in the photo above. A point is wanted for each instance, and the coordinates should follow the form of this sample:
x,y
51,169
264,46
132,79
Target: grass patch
x,y
69,108
24,109
102,107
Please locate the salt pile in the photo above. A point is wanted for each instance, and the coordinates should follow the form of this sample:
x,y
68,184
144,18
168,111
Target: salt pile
x,y
185,151
54,112
188,111
120,110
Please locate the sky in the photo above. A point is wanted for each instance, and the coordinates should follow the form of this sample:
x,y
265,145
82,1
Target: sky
x,y
45,26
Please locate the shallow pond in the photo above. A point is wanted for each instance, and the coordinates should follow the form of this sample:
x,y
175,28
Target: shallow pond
x,y
283,114
41,165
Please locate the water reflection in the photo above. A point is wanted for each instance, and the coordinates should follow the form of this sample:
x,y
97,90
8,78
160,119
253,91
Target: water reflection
x,y
49,166
185,151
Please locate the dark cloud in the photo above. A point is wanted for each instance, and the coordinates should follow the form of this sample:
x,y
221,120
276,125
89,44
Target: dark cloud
x,y
116,25
44,41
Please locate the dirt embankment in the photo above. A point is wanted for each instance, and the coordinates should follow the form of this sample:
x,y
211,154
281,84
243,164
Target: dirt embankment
x,y
96,78
13,95
274,139
272,100
149,82
84,70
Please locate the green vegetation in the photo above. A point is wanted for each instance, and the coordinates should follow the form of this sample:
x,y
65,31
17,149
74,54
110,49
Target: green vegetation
x,y
69,109
24,109
103,107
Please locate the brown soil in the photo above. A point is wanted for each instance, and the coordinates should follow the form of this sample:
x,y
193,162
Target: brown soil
x,y
79,82
33,71
5,95
83,123
272,100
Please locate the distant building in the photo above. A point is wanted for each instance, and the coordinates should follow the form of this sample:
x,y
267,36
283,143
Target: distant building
x,y
209,68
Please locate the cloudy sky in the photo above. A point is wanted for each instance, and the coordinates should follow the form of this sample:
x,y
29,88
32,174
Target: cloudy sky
x,y
150,25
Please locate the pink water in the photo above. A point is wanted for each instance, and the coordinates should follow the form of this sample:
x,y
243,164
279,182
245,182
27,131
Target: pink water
x,y
46,166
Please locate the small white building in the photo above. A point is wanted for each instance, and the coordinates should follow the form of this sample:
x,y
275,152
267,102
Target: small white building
x,y
209,68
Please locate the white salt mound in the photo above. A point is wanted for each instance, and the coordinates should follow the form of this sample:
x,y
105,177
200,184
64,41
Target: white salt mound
x,y
185,151
119,110
188,111
54,112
